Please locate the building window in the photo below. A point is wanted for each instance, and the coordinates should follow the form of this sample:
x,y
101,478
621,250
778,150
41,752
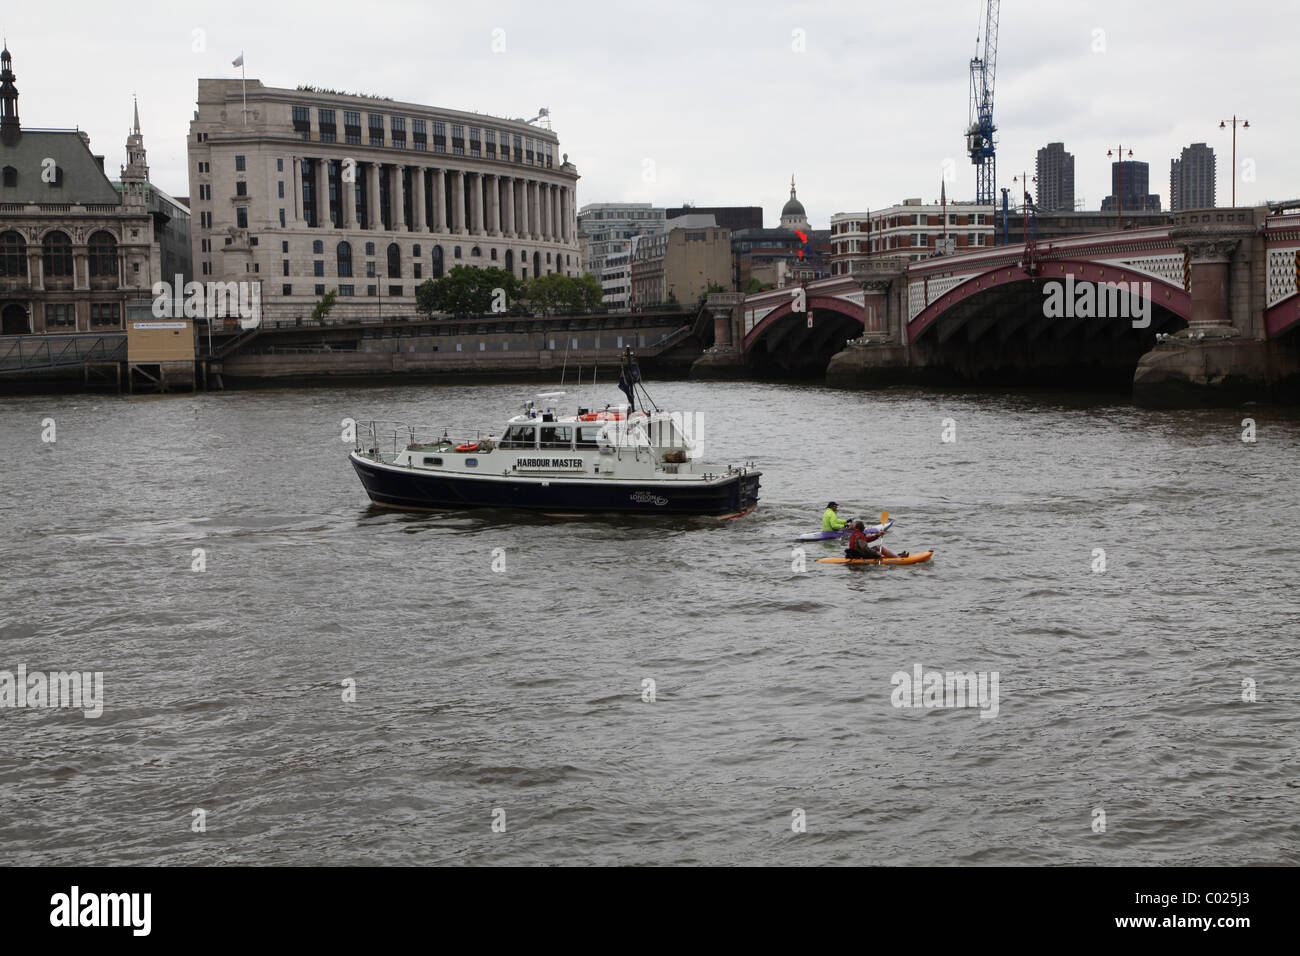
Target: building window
x,y
10,176
376,130
394,261
58,254
494,254
415,251
456,253
370,270
320,289
440,137
399,132
60,314
370,248
239,164
317,247
285,264
105,313
347,290
416,270
281,218
286,289
519,149
13,255
475,144
370,290
318,267
475,252
241,217
344,253
435,265
241,187
302,121
103,256
395,291
458,140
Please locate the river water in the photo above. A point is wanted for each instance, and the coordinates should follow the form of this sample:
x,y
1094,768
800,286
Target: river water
x,y
505,716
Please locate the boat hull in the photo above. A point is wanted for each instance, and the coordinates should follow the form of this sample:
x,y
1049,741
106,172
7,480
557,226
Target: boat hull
x,y
408,489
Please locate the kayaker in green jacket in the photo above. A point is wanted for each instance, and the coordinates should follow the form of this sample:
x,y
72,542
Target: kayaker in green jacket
x,y
830,520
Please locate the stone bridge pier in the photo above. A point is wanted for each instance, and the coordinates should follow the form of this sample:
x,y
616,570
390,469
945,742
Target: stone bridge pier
x,y
1224,356
880,356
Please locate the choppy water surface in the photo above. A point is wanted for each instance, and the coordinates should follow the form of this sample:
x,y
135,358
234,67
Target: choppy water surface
x,y
522,691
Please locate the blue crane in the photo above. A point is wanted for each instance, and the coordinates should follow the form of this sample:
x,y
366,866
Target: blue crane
x,y
979,132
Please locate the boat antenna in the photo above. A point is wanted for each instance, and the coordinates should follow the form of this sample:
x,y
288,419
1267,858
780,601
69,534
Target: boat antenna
x,y
565,365
629,378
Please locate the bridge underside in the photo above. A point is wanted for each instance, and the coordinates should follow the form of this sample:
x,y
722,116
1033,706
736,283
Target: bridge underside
x,y
1003,337
790,349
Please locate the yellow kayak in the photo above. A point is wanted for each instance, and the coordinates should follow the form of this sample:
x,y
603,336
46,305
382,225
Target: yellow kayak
x,y
910,559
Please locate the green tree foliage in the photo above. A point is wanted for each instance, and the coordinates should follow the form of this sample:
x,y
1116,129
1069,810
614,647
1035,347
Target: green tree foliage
x,y
469,290
754,286
326,303
556,293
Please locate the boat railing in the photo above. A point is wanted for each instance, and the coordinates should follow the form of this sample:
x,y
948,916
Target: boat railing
x,y
383,439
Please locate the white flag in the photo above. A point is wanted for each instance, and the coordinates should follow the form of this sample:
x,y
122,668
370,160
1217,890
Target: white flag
x,y
238,61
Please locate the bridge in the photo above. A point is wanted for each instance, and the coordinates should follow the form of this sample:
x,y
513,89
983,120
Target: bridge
x,y
1148,306
35,353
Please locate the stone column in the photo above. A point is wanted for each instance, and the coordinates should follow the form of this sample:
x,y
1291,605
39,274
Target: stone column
x,y
535,209
457,201
476,204
372,197
1209,292
494,206
439,223
564,213
417,199
397,196
509,225
348,194
323,194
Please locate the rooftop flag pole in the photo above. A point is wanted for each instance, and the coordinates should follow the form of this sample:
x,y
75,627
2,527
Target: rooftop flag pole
x,y
243,81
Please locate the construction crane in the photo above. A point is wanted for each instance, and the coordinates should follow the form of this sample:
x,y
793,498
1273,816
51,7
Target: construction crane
x,y
980,130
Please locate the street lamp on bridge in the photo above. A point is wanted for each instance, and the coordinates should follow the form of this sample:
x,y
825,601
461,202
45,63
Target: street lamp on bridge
x,y
1245,124
1119,188
1024,182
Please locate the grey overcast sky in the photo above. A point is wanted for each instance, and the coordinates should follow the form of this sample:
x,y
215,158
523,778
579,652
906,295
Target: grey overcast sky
x,y
715,103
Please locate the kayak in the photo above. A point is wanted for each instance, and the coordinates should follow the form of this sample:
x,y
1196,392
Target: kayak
x,y
873,532
910,559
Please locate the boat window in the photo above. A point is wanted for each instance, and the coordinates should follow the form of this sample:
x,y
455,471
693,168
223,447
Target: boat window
x,y
557,436
588,435
432,461
520,436
471,462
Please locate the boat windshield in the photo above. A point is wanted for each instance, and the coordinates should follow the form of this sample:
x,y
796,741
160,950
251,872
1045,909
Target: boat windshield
x,y
519,436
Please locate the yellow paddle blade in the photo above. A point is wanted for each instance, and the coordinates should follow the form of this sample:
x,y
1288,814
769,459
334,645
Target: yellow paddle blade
x,y
884,517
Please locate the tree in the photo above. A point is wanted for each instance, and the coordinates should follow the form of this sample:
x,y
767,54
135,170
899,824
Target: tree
x,y
326,303
754,286
468,290
713,287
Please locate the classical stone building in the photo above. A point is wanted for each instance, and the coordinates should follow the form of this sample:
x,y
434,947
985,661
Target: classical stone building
x,y
75,247
308,191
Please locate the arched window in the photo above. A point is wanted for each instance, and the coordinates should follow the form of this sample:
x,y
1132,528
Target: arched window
x,y
436,256
344,253
415,251
475,252
494,253
394,261
103,256
13,255
10,176
370,248
317,247
510,261
456,253
58,254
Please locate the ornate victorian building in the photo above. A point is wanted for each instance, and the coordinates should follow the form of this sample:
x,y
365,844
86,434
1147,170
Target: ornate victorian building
x,y
75,247
308,191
